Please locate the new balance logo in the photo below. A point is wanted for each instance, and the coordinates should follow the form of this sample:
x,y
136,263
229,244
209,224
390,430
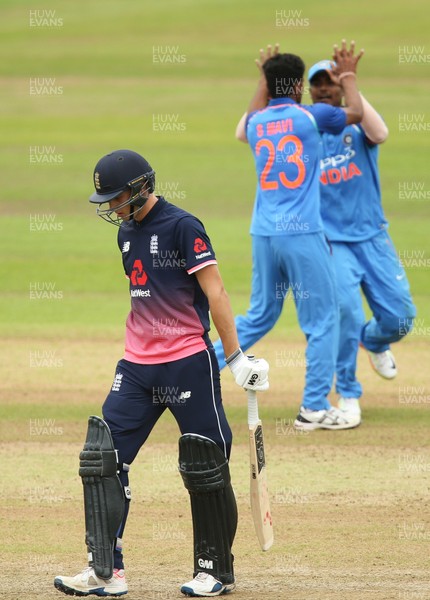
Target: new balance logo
x,y
206,564
253,379
117,382
126,247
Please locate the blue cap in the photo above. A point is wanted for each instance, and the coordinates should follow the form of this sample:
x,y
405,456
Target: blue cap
x,y
322,65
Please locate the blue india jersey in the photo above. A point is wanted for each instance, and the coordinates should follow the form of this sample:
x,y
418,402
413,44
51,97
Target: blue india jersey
x,y
350,190
286,143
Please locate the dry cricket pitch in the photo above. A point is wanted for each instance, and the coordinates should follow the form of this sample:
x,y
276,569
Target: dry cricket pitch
x,y
350,509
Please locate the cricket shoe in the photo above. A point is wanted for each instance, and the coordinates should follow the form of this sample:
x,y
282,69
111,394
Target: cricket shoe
x,y
333,418
204,585
383,363
349,405
87,583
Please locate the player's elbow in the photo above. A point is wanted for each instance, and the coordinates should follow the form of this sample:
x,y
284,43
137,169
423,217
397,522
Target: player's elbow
x,y
354,114
217,296
241,135
241,129
379,136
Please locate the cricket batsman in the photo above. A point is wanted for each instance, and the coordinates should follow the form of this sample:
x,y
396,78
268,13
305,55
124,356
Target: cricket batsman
x,y
163,366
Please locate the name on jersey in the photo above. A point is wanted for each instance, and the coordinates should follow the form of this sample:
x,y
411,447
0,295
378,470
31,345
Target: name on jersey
x,y
274,127
338,172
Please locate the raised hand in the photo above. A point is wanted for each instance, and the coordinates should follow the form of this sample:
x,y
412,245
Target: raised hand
x,y
265,55
345,60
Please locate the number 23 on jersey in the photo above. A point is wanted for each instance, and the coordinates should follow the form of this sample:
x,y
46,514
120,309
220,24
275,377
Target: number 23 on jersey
x,y
270,179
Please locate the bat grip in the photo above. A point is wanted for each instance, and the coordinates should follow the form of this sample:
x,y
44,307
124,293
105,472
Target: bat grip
x,y
253,417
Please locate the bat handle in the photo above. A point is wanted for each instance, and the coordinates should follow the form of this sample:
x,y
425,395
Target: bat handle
x,y
253,417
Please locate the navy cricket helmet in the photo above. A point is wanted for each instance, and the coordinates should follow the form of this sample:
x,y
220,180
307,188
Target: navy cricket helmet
x,y
117,172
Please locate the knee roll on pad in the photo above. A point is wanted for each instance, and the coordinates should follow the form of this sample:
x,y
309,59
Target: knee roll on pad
x,y
103,496
206,475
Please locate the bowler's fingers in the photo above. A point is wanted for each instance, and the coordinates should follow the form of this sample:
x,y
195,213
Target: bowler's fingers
x,y
334,77
359,55
268,53
335,52
343,51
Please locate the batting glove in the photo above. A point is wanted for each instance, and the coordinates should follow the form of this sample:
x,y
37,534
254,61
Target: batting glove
x,y
249,373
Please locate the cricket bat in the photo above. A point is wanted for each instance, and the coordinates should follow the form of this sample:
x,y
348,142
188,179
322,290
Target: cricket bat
x,y
260,504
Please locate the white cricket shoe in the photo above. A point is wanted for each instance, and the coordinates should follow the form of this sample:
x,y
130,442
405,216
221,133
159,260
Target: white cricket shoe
x,y
87,582
383,363
349,405
333,418
204,584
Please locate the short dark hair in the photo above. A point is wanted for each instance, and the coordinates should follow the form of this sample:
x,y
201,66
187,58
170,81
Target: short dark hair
x,y
283,73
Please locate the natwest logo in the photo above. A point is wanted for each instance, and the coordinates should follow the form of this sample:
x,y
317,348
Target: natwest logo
x,y
199,245
138,275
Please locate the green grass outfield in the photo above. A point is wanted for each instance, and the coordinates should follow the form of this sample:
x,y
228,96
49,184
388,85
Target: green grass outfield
x,y
84,78
113,69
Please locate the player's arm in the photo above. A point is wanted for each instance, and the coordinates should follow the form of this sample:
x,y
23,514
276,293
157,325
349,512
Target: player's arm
x,y
210,281
345,74
261,97
240,129
373,124
248,374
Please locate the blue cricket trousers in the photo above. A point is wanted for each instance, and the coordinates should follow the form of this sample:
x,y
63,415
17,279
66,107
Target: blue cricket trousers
x,y
302,266
373,266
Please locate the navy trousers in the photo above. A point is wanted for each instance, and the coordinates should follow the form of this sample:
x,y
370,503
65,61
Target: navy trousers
x,y
189,388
